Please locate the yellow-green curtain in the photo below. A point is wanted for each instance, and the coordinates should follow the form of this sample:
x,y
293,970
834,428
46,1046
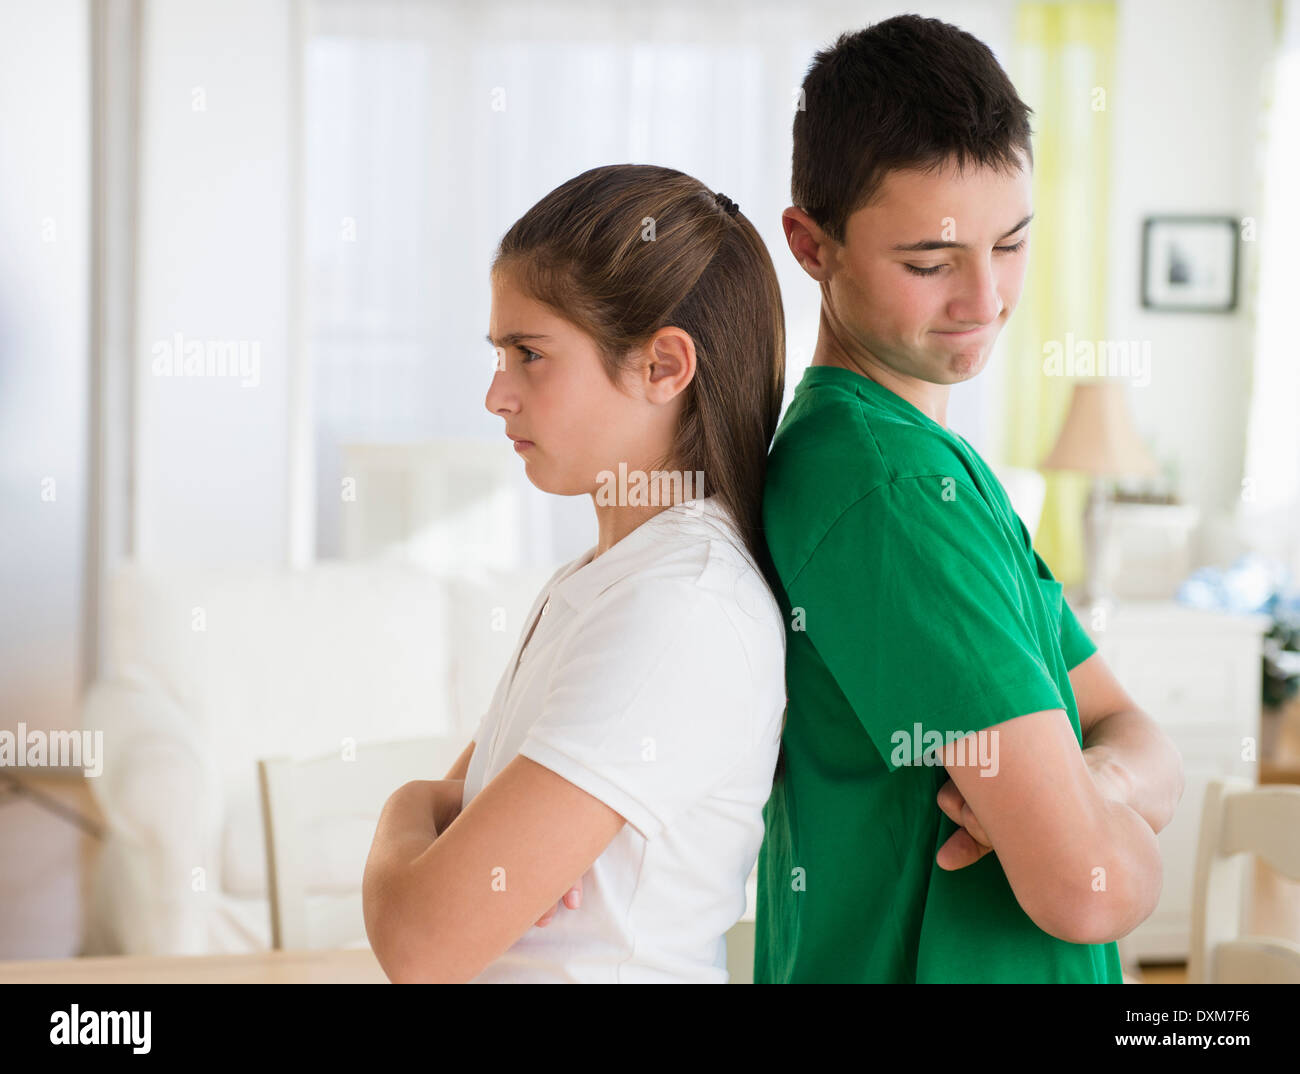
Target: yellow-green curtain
x,y
1063,67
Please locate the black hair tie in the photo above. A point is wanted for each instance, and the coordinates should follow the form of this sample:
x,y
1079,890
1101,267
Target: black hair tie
x,y
729,206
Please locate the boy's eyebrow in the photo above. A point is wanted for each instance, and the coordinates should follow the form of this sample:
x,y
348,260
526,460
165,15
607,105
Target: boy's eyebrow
x,y
512,338
934,244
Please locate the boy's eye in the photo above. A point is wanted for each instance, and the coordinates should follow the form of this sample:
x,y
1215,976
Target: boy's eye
x,y
919,271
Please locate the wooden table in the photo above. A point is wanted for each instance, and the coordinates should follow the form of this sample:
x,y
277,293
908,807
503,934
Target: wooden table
x,y
340,966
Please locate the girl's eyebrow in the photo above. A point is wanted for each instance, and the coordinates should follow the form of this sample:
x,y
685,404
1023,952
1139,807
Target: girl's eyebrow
x,y
932,244
513,338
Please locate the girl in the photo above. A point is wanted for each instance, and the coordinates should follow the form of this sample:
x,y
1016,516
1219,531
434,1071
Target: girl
x,y
629,749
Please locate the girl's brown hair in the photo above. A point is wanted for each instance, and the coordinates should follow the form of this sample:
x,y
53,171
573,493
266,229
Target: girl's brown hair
x,y
626,249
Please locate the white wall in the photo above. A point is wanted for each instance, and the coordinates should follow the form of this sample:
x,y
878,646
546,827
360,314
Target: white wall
x,y
214,265
1185,114
44,361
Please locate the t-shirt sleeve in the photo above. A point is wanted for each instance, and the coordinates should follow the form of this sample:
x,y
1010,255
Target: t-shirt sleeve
x,y
1076,645
652,703
912,602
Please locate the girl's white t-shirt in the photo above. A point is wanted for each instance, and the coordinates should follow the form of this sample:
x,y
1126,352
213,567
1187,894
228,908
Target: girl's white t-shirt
x,y
654,681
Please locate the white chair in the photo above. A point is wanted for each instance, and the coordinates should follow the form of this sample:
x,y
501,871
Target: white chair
x,y
740,937
342,795
740,952
1238,821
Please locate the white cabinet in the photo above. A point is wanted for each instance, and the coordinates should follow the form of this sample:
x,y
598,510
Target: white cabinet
x,y
1198,674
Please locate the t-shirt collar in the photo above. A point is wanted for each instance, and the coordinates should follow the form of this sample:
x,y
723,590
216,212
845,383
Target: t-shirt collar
x,y
868,389
645,544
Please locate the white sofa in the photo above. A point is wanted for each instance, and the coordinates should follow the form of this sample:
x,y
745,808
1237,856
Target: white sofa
x,y
206,671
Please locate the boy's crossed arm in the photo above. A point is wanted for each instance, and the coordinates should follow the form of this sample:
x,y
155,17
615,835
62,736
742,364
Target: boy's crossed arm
x,y
1074,830
1133,760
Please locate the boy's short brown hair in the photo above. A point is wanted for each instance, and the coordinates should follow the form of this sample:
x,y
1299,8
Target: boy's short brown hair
x,y
908,92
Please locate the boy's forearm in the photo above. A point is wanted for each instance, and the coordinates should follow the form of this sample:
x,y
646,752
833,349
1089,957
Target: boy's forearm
x,y
1135,763
1125,893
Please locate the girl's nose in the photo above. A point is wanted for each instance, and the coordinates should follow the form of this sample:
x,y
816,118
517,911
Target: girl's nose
x,y
500,398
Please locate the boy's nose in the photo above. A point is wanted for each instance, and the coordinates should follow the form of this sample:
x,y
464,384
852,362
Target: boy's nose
x,y
979,302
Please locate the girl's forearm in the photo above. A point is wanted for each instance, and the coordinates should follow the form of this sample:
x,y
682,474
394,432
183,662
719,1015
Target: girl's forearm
x,y
408,825
411,820
448,794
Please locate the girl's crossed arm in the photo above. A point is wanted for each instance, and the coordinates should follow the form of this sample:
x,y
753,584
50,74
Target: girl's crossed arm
x,y
442,906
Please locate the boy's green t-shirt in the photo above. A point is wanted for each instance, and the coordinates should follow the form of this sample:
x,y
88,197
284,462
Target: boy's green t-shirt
x,y
913,596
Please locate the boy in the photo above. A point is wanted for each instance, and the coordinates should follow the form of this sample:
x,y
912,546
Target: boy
x,y
943,699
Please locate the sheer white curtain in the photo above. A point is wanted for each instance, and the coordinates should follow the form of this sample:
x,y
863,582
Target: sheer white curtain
x,y
1271,484
432,127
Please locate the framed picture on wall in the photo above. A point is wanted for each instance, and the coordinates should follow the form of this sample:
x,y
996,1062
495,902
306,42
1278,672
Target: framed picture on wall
x,y
1189,264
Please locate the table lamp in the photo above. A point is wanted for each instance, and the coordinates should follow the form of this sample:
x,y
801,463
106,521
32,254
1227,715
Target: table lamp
x,y
1099,439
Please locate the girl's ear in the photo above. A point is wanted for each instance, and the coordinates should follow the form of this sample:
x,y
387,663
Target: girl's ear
x,y
670,364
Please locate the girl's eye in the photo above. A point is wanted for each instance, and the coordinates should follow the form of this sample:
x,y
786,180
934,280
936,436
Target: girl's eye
x,y
529,356
918,271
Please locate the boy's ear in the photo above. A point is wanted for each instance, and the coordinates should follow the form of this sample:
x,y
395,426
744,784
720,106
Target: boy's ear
x,y
811,246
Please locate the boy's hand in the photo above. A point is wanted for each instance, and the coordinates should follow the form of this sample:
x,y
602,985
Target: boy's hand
x,y
573,899
968,843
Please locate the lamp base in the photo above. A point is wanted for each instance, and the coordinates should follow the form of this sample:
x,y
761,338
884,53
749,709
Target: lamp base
x,y
1096,581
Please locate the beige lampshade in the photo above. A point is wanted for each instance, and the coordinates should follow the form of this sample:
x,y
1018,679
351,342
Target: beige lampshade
x,y
1099,437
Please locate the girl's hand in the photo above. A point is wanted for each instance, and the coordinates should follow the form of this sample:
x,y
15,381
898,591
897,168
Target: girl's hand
x,y
969,842
573,899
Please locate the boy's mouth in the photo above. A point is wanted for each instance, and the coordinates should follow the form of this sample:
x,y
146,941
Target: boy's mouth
x,y
978,338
